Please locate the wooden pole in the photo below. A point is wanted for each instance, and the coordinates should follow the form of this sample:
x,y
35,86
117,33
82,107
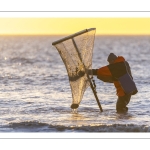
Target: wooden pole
x,y
91,85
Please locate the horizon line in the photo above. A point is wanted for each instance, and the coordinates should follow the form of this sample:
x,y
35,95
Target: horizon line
x,y
72,33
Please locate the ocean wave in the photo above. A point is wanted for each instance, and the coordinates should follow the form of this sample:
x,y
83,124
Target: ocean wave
x,y
22,60
34,126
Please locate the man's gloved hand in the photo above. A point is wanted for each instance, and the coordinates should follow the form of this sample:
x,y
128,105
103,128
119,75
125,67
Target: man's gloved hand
x,y
91,71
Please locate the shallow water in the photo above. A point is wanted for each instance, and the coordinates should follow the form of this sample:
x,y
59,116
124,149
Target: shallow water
x,y
35,95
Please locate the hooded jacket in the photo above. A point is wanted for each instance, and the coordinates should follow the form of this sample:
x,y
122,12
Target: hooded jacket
x,y
112,72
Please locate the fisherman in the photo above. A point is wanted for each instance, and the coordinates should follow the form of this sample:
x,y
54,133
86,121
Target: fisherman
x,y
118,72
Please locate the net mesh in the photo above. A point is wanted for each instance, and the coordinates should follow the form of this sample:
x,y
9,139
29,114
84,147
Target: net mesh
x,y
76,53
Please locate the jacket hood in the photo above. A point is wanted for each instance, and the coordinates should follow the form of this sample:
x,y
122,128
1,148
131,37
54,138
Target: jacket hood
x,y
119,59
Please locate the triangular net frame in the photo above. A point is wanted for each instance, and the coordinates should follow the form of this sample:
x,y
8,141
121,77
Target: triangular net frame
x,y
76,52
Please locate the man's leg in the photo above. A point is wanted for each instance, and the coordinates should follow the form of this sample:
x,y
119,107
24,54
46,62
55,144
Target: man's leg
x,y
122,103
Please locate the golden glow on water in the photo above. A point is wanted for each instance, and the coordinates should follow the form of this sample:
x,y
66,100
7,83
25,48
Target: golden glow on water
x,y
55,26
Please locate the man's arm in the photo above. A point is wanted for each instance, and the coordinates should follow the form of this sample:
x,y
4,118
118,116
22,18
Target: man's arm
x,y
102,74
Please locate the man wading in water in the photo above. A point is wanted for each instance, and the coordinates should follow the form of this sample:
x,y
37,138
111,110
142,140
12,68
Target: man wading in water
x,y
118,72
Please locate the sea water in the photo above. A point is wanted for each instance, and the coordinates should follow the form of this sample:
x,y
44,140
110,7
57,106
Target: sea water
x,y
35,94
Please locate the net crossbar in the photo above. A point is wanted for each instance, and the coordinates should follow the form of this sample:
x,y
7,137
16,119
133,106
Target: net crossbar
x,y
76,52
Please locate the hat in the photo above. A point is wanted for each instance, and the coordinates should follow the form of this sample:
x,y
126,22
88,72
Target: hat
x,y
111,57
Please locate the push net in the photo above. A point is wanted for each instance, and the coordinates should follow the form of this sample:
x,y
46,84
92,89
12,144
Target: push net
x,y
76,52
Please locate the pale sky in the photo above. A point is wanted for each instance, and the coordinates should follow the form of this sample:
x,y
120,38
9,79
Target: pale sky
x,y
56,26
